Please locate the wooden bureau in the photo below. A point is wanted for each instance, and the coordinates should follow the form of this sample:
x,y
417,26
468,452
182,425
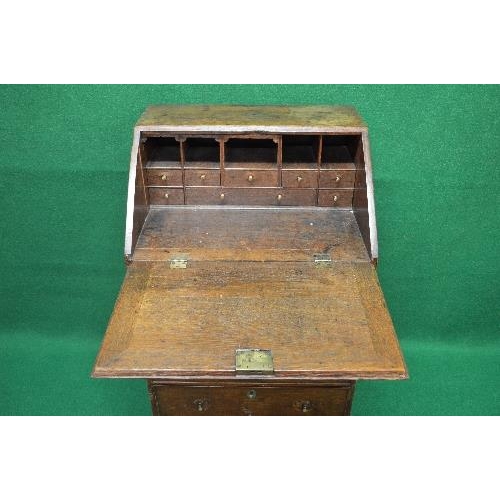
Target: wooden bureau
x,y
251,247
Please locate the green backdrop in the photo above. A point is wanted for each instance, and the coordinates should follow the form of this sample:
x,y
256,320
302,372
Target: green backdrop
x,y
64,158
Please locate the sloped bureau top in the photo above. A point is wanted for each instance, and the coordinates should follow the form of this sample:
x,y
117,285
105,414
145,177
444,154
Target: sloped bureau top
x,y
250,227
251,118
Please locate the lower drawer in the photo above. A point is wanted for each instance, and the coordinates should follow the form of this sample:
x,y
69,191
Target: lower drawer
x,y
341,198
247,399
166,196
250,196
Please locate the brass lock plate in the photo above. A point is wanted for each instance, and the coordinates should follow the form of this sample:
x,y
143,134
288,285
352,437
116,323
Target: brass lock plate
x,y
254,361
179,262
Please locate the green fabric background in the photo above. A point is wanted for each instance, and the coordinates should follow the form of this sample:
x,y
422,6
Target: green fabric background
x,y
64,154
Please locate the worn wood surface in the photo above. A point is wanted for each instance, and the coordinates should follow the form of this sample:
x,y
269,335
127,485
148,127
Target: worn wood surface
x,y
250,117
254,234
318,321
251,280
259,398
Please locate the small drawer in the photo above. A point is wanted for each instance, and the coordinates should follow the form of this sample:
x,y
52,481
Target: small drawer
x,y
251,400
250,196
159,177
166,196
299,178
341,198
336,178
231,196
250,178
202,177
299,166
296,197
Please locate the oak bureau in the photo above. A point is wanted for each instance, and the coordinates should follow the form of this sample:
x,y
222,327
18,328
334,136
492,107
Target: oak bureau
x,y
251,247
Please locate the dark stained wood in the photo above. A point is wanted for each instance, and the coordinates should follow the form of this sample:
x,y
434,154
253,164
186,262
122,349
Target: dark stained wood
x,y
202,177
163,177
166,196
225,196
245,399
340,198
251,178
300,178
336,179
272,210
260,234
326,322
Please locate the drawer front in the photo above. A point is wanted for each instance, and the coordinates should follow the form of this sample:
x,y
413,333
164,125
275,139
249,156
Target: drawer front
x,y
336,178
299,166
341,198
202,177
299,178
250,178
166,196
250,400
160,177
250,196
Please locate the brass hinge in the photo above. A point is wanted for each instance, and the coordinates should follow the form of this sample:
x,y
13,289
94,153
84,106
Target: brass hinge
x,y
179,262
254,361
322,259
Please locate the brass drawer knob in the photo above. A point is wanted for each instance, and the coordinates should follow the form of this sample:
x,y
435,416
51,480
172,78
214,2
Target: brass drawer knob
x,y
337,179
250,178
222,196
335,199
299,179
166,195
280,197
164,177
203,177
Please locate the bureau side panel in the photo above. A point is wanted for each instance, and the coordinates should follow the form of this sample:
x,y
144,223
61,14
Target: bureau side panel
x,y
137,199
363,202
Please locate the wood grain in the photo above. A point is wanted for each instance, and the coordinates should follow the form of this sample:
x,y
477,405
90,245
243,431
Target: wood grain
x,y
255,234
251,280
318,321
205,117
259,398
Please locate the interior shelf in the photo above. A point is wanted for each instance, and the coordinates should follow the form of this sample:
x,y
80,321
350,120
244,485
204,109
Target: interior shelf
x,y
339,151
300,150
201,153
260,153
163,152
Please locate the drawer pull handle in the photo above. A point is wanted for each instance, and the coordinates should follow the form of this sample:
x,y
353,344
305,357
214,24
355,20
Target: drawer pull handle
x,y
166,195
306,406
250,178
335,199
203,177
252,394
222,196
299,179
200,404
337,179
280,197
164,177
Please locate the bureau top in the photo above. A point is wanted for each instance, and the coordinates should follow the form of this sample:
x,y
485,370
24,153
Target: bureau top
x,y
251,118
